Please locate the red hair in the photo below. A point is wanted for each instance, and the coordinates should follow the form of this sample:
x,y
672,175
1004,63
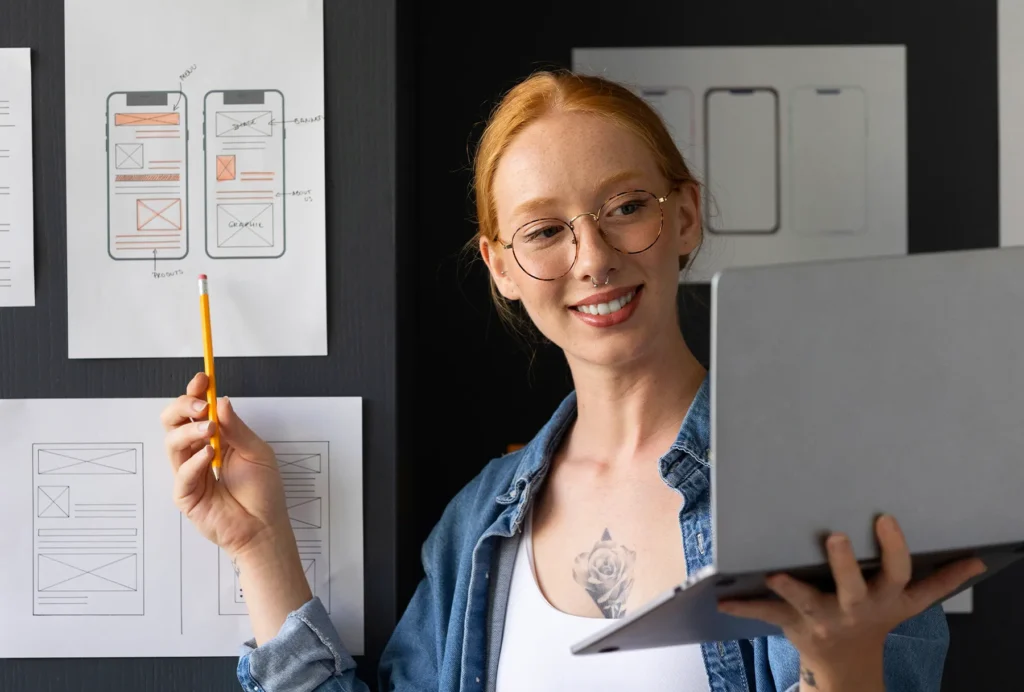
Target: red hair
x,y
566,92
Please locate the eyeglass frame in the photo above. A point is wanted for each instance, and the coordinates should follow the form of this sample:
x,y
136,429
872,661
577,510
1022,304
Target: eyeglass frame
x,y
596,216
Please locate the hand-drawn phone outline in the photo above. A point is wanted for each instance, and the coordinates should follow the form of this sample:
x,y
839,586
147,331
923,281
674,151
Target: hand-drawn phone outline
x,y
690,135
707,159
206,174
826,91
183,101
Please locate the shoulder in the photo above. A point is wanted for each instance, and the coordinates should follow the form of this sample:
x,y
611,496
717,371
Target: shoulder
x,y
472,510
481,502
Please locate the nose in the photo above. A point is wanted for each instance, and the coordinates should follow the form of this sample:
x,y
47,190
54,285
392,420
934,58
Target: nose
x,y
596,259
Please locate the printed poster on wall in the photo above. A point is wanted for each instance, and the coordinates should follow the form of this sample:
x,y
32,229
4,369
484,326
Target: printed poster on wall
x,y
195,144
802,150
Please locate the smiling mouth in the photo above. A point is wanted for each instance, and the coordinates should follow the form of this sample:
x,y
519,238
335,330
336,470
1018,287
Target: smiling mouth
x,y
610,307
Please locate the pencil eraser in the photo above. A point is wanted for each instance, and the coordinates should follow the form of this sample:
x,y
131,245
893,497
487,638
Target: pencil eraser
x,y
202,276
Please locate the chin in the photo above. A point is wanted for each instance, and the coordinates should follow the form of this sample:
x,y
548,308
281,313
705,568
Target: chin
x,y
617,350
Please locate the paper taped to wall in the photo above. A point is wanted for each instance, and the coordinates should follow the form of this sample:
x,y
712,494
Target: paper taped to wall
x,y
17,268
106,565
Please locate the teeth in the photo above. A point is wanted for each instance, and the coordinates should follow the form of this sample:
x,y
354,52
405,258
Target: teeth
x,y
609,307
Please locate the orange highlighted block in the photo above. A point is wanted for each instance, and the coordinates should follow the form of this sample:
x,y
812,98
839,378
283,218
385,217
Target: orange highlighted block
x,y
158,214
226,167
148,178
147,119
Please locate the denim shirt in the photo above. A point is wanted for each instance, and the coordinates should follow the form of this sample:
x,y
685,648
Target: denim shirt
x,y
449,635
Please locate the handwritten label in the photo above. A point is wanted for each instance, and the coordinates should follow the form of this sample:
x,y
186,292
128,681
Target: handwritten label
x,y
306,195
247,123
307,121
184,75
167,275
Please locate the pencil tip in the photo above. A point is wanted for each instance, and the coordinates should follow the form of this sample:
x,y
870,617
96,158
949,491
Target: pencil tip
x,y
216,473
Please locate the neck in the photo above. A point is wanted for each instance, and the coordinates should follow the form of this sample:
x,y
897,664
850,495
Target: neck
x,y
633,412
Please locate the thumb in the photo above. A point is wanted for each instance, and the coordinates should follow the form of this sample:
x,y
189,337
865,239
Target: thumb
x,y
235,432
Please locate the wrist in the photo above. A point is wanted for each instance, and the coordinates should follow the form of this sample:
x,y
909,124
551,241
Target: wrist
x,y
860,673
272,581
272,545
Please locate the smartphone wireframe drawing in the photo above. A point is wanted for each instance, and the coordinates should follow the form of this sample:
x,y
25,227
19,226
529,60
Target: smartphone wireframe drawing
x,y
828,143
741,159
147,175
675,106
244,169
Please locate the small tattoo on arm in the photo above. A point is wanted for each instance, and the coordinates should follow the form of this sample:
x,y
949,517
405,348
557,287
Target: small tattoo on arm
x,y
606,572
807,677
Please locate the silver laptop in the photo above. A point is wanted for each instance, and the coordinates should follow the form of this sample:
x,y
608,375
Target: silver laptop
x,y
841,390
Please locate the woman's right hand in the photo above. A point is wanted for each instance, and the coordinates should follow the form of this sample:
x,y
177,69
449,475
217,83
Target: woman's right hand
x,y
246,507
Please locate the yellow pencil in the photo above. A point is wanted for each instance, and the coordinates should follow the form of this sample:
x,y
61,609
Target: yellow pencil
x,y
211,391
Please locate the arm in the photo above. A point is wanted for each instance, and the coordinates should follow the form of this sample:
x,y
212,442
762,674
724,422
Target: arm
x,y
306,654
914,656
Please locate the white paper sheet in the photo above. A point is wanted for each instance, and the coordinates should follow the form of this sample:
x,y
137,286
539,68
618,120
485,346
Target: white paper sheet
x,y
195,144
17,270
1011,122
802,149
101,563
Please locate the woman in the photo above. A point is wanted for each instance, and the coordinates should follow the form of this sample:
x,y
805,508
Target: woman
x,y
586,213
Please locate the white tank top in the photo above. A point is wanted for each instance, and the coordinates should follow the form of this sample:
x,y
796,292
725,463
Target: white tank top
x,y
535,647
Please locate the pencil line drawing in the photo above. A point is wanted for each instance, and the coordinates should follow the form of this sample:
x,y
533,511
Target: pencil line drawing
x,y
304,468
244,174
146,137
54,501
87,529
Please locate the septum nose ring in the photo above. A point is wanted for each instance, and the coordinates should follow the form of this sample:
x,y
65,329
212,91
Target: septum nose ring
x,y
606,280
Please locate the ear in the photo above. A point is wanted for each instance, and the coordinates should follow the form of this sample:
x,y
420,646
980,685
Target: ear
x,y
502,266
688,227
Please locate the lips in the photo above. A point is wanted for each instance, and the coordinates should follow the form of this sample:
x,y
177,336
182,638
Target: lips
x,y
606,296
608,308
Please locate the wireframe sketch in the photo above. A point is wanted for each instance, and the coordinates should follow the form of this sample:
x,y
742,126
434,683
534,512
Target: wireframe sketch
x,y
147,175
741,154
675,106
87,529
304,472
244,168
828,141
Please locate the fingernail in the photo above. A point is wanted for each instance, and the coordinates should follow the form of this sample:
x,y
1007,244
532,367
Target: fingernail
x,y
198,405
205,426
837,541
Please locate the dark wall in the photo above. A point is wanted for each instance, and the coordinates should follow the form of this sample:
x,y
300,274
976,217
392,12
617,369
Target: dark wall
x,y
362,330
475,390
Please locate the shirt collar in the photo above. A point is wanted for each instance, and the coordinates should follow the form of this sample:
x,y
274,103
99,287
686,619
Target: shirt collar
x,y
691,446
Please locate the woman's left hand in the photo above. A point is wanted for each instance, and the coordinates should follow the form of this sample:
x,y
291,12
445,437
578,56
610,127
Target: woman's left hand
x,y
841,636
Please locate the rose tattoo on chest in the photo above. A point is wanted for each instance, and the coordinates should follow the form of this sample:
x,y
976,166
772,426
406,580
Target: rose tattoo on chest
x,y
606,572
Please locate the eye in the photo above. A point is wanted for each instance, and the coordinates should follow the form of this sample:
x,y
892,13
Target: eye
x,y
544,232
628,205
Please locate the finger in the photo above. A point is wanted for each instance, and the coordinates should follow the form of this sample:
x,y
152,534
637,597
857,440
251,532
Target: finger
x,y
189,478
186,407
851,589
197,387
943,582
896,562
181,442
236,433
773,612
182,410
804,598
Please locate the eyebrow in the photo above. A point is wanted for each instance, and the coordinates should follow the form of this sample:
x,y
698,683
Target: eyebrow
x,y
541,202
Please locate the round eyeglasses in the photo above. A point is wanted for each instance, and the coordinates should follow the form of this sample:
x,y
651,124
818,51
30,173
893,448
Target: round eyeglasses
x,y
630,222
